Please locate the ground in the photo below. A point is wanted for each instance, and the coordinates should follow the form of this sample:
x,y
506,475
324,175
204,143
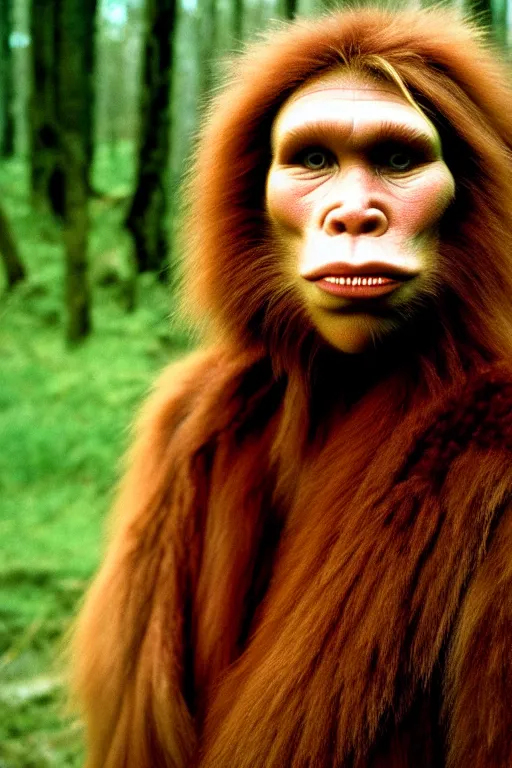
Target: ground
x,y
65,417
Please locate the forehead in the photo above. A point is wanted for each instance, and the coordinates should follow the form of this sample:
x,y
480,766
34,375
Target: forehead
x,y
351,100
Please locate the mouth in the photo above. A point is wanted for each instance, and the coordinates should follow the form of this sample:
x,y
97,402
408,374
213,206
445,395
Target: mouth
x,y
358,286
367,281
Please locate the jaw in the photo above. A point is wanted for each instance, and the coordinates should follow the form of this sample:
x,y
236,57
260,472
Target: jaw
x,y
353,333
358,323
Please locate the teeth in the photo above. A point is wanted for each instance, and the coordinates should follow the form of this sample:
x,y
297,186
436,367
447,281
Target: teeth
x,y
354,280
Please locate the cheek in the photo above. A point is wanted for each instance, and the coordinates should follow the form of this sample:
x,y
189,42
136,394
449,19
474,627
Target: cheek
x,y
421,209
285,206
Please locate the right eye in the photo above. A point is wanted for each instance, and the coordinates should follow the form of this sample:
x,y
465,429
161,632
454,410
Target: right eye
x,y
315,159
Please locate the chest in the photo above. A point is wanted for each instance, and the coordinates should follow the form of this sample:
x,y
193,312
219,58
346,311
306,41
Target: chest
x,y
345,650
341,663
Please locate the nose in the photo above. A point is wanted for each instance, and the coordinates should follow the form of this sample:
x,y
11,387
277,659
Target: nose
x,y
356,220
354,209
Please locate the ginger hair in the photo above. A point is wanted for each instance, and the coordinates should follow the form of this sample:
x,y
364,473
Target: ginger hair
x,y
235,288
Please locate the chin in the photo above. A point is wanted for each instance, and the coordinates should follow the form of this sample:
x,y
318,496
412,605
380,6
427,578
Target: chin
x,y
353,334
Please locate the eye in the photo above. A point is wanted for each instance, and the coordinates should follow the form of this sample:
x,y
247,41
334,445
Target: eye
x,y
400,161
316,159
397,159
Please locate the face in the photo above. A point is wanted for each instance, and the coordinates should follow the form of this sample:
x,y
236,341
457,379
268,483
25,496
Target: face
x,y
355,194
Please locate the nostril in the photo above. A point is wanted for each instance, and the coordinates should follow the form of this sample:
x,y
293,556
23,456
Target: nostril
x,y
339,227
368,226
373,223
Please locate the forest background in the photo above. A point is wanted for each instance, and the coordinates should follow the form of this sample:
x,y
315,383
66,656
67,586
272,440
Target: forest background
x,y
99,104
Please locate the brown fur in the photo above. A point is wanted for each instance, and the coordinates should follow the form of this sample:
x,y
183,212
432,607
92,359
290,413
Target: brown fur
x,y
311,563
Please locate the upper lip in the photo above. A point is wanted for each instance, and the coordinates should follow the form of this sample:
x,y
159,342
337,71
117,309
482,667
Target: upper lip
x,y
344,269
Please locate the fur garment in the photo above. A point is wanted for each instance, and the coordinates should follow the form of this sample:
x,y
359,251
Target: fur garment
x,y
355,613
311,565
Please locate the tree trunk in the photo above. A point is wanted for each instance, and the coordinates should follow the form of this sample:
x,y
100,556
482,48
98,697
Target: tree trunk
x,y
74,81
14,269
6,81
46,173
289,9
47,158
146,219
238,21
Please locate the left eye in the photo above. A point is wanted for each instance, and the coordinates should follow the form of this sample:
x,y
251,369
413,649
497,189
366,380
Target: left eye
x,y
400,161
395,157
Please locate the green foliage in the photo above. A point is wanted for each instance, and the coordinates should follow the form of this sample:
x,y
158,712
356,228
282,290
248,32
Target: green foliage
x,y
64,424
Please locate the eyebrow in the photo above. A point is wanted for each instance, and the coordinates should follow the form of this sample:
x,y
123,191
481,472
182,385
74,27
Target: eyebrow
x,y
374,134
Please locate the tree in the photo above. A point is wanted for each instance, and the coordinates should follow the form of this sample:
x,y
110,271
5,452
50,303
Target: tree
x,y
61,116
6,81
146,219
289,8
14,269
49,35
74,112
45,163
238,21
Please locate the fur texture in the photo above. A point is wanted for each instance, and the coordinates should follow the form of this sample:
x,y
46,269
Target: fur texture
x,y
311,561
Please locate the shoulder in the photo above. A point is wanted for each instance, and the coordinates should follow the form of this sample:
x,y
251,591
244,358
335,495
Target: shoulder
x,y
480,414
471,419
203,394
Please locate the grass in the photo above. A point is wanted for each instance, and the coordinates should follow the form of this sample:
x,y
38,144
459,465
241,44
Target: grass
x,y
64,424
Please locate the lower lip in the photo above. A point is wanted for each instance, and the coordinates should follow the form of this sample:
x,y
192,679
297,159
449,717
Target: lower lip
x,y
359,291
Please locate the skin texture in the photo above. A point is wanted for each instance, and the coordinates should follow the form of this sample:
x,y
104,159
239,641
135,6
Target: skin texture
x,y
309,562
357,187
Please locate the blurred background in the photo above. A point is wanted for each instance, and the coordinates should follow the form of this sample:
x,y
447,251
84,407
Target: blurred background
x,y
99,103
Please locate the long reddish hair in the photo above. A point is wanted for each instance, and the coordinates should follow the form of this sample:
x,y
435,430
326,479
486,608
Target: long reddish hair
x,y
264,526
234,280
